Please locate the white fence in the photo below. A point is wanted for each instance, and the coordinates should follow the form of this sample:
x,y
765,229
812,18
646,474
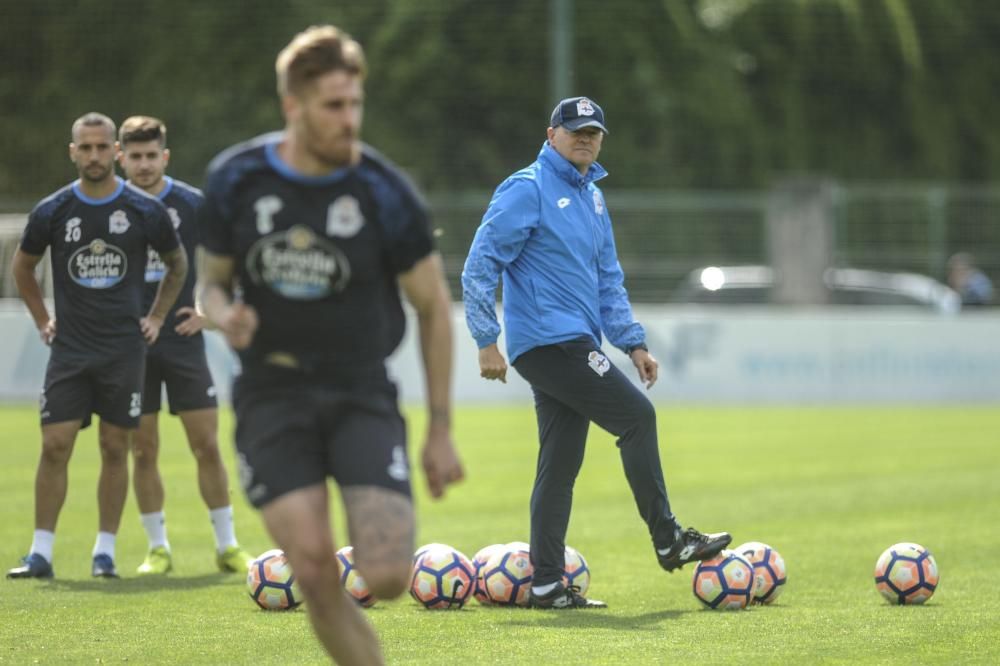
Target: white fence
x,y
707,355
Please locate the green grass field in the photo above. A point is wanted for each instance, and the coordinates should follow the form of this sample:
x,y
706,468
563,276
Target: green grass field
x,y
830,488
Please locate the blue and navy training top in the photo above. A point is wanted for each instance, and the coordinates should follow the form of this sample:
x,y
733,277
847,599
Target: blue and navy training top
x,y
98,250
182,202
317,256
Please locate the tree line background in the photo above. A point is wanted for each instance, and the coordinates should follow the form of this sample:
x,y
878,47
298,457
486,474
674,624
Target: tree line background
x,y
719,99
698,93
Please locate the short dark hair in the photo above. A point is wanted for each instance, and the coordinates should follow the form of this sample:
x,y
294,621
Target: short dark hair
x,y
143,128
315,51
92,119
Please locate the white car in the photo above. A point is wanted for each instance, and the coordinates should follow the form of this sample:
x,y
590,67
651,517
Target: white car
x,y
753,285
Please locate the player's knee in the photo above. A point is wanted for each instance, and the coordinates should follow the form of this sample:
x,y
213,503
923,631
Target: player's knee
x,y
315,572
56,450
145,449
206,450
386,580
114,450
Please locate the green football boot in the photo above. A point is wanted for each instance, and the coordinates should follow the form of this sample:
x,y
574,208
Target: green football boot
x,y
234,560
158,561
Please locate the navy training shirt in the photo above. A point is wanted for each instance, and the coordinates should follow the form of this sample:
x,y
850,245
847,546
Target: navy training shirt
x,y
182,202
98,252
316,256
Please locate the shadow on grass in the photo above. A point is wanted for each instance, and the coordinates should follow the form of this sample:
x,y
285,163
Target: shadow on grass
x,y
577,618
141,585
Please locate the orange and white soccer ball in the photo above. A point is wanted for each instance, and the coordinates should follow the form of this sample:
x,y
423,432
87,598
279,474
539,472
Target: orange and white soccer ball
x,y
443,578
507,575
479,560
352,580
576,571
271,583
768,569
906,573
725,581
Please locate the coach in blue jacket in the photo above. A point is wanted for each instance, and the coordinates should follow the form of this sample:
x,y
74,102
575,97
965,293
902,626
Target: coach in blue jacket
x,y
548,232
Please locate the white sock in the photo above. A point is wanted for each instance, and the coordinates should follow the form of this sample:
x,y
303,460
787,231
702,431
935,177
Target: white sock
x,y
105,544
155,524
42,544
222,523
544,589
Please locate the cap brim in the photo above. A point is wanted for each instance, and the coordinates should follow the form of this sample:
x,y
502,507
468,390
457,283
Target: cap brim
x,y
579,123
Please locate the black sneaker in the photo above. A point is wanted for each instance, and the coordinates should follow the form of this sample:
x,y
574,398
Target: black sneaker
x,y
563,597
104,567
693,545
33,565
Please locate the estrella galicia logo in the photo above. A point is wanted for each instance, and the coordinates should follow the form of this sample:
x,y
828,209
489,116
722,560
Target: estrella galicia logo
x,y
98,265
298,264
155,268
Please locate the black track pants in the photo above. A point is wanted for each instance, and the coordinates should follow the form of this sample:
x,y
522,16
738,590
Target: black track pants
x,y
574,384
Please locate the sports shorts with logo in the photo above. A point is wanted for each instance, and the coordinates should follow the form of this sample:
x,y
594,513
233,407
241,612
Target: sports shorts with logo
x,y
181,366
295,431
77,386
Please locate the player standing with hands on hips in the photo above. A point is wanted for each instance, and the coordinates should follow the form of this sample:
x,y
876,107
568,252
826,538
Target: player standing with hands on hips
x,y
178,361
97,230
320,232
548,232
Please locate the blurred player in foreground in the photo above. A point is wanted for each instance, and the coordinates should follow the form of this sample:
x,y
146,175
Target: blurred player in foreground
x,y
320,232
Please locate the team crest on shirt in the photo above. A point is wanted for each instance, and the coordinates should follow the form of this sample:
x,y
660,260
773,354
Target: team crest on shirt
x,y
598,362
97,265
344,217
598,203
175,217
298,264
118,222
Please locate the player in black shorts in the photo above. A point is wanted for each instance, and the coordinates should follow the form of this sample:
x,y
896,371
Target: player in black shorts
x,y
97,230
178,361
320,232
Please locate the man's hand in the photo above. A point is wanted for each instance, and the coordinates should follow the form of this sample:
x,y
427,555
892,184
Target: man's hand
x,y
48,332
646,365
492,364
440,460
150,326
192,321
238,324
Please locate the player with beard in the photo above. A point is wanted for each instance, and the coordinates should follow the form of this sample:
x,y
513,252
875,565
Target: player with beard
x,y
320,232
176,361
97,230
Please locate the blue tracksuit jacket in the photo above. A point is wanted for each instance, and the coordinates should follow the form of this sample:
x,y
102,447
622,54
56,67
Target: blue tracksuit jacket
x,y
548,232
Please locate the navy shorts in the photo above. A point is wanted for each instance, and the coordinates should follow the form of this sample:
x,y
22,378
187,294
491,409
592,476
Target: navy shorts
x,y
292,435
183,368
77,387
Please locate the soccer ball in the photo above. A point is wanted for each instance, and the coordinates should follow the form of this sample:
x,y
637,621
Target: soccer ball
x,y
726,581
442,578
576,570
271,583
906,573
428,546
507,575
478,562
768,569
352,580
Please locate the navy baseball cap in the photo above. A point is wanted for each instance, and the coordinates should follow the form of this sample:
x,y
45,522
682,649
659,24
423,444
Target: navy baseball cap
x,y
576,112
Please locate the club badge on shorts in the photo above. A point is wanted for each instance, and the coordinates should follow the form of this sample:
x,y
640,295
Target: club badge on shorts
x,y
598,362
